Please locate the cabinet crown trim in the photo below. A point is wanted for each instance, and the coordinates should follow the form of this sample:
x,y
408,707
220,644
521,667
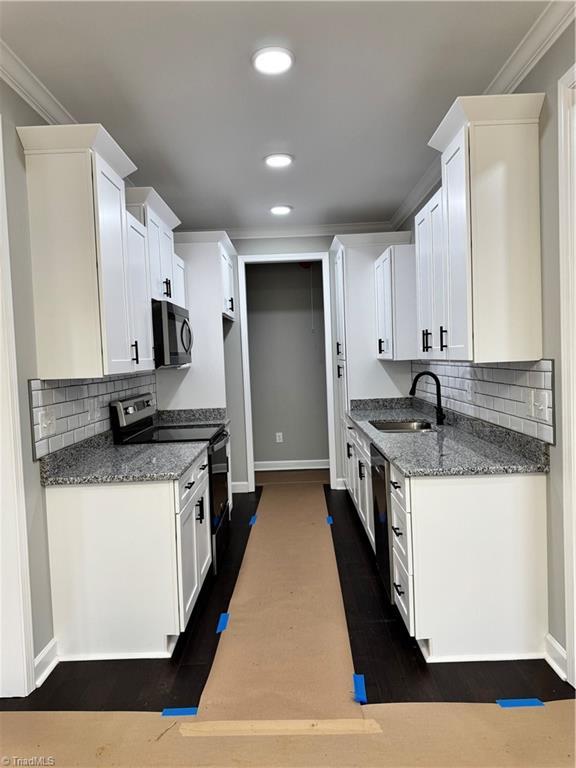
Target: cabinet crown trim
x,y
62,138
513,107
149,196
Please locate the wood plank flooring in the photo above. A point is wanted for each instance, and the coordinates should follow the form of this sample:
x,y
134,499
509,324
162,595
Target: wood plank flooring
x,y
382,649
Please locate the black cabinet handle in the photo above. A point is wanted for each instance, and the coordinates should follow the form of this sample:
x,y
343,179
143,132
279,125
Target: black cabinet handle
x,y
136,359
397,531
200,515
203,467
338,347
443,332
428,340
348,450
189,485
361,473
339,369
168,287
231,302
398,589
380,346
426,335
395,485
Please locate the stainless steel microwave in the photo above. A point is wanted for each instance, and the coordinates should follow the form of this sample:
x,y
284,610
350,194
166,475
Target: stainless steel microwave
x,y
172,335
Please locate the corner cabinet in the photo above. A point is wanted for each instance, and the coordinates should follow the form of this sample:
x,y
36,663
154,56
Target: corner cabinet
x,y
90,319
490,208
166,269
395,278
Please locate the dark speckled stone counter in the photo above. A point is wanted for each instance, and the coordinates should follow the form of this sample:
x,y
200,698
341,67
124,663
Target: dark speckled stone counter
x,y
193,416
98,460
458,448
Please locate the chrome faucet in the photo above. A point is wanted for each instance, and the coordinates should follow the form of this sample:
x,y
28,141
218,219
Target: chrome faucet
x,y
440,416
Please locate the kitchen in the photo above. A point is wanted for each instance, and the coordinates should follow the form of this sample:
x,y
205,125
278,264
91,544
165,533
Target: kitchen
x,y
433,339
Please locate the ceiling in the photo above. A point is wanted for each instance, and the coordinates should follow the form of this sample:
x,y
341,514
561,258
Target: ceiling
x,y
173,83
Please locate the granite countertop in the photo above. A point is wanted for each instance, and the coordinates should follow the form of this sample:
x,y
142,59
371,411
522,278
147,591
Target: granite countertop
x,y
97,460
450,450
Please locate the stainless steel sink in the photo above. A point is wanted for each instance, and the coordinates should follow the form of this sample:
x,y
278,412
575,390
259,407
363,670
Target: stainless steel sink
x,y
402,426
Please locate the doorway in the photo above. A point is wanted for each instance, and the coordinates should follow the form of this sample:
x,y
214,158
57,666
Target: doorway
x,y
288,399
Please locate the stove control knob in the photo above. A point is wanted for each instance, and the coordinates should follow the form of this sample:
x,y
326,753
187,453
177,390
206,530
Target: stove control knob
x,y
129,410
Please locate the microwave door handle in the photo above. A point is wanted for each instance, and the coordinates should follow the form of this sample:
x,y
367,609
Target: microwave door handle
x,y
186,344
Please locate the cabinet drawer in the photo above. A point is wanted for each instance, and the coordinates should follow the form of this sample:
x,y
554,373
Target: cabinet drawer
x,y
400,487
401,534
403,592
191,479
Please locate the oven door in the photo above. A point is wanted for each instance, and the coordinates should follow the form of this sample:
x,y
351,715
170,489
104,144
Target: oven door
x,y
219,511
173,337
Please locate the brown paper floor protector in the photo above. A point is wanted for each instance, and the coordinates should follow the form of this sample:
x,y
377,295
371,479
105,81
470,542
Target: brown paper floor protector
x,y
286,653
413,736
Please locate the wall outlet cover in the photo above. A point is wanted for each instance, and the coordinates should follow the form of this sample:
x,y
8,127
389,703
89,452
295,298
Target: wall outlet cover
x,y
279,437
46,422
540,404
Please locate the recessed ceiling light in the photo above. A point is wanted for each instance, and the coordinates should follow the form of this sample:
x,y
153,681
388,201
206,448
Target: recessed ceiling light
x,y
273,61
278,161
281,210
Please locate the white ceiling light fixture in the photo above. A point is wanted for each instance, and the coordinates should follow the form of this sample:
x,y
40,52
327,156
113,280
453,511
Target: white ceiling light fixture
x,y
281,210
279,160
273,61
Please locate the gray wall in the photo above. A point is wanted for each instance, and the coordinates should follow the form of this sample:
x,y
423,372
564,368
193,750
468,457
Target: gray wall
x,y
16,112
544,78
287,361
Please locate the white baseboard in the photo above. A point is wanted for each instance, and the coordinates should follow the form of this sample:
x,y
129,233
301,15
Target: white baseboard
x,y
461,657
45,662
271,466
339,484
556,656
241,487
110,656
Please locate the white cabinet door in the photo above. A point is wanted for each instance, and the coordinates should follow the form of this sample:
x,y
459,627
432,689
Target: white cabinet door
x,y
186,544
438,272
362,498
228,298
384,298
154,228
203,534
456,213
339,297
423,282
179,284
139,295
110,205
166,259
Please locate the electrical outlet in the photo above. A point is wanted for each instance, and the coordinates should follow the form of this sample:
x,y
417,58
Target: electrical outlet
x,y
469,389
540,403
279,437
46,422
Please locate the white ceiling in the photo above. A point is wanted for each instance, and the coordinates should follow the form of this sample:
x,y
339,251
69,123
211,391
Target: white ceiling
x,y
173,83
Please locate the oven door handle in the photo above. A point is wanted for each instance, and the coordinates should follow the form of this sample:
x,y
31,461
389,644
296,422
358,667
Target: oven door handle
x,y
220,444
187,344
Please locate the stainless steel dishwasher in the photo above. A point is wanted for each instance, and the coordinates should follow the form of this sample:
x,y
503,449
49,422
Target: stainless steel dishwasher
x,y
381,491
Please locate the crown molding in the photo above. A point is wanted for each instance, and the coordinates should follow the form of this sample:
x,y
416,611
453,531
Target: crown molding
x,y
17,75
541,36
318,230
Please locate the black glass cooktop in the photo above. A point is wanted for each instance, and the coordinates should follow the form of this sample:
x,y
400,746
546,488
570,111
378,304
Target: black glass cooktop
x,y
174,433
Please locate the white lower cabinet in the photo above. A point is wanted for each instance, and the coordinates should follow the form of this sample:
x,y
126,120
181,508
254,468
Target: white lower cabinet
x,y
358,478
469,564
127,562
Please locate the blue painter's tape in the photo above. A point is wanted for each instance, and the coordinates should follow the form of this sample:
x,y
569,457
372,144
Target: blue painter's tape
x,y
509,703
329,519
180,712
252,520
222,622
360,690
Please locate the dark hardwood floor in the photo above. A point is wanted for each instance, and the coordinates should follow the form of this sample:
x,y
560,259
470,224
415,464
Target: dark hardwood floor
x,y
390,659
153,684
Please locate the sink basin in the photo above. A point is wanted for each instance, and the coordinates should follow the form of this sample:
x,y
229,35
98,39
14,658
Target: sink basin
x,y
402,426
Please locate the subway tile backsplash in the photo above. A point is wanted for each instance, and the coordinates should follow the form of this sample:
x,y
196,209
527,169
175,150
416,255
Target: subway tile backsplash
x,y
500,393
65,411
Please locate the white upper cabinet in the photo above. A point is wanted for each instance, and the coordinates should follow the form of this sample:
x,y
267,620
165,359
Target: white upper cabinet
x,y
76,203
395,277
151,210
179,281
139,295
228,297
340,320
491,229
430,281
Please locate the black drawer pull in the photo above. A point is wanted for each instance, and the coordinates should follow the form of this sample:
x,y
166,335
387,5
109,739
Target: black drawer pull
x,y
380,346
137,358
348,450
340,369
189,485
399,589
200,516
395,485
168,286
338,348
231,302
443,332
361,473
203,467
397,531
